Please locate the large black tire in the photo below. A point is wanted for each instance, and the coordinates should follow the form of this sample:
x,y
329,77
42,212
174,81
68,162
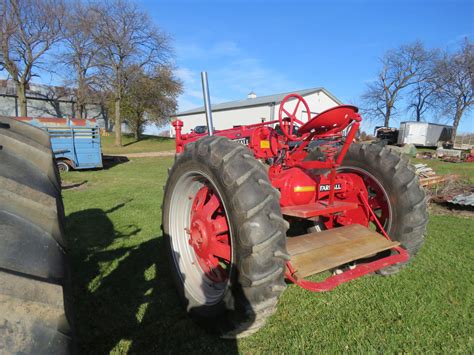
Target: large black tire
x,y
257,229
406,197
33,269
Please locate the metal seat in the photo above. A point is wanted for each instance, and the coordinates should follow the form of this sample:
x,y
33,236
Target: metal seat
x,y
331,121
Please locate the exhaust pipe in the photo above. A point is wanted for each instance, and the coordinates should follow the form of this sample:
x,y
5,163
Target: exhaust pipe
x,y
207,103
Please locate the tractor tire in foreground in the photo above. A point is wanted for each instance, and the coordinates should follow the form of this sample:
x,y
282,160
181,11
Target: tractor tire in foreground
x,y
407,208
225,236
33,272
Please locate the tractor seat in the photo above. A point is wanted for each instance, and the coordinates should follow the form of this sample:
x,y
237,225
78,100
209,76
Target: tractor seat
x,y
331,121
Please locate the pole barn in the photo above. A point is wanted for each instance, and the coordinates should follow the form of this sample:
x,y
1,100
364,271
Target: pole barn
x,y
255,109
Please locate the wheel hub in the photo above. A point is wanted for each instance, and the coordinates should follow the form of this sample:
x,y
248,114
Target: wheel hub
x,y
209,235
199,236
376,196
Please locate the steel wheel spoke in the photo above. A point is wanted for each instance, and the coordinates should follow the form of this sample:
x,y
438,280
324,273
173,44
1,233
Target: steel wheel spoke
x,y
374,203
220,250
200,198
220,225
211,206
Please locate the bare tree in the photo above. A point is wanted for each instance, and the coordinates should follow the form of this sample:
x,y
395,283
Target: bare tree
x,y
126,37
455,78
29,28
399,70
150,97
79,52
422,97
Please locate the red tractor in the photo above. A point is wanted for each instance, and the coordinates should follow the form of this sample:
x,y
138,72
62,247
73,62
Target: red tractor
x,y
247,208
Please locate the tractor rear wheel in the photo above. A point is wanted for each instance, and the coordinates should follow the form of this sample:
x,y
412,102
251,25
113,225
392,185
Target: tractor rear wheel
x,y
393,191
35,307
225,236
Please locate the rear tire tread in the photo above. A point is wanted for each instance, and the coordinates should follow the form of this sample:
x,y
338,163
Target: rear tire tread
x,y
394,168
33,269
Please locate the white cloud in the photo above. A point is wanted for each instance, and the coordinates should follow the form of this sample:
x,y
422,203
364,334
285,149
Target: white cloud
x,y
250,74
192,51
185,104
186,75
192,92
189,50
226,48
232,74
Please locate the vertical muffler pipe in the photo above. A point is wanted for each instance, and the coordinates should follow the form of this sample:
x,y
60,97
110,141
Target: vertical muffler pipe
x,y
207,103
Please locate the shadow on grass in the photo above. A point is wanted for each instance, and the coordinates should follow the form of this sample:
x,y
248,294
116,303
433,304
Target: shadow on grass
x,y
71,186
145,138
110,161
124,299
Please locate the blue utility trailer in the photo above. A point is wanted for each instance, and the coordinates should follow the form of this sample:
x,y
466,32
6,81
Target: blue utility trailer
x,y
76,147
75,143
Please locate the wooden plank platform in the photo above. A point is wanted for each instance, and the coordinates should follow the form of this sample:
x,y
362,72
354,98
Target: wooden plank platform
x,y
317,209
317,252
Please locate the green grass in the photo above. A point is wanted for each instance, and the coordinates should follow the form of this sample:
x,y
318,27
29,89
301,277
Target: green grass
x,y
125,302
130,145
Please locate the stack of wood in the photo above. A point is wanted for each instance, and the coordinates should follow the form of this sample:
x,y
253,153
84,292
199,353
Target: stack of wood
x,y
425,155
427,176
449,159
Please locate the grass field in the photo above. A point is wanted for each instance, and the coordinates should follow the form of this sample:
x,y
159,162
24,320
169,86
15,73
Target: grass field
x,y
125,302
130,145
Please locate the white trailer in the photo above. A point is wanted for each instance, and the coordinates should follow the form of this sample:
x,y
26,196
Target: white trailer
x,y
423,134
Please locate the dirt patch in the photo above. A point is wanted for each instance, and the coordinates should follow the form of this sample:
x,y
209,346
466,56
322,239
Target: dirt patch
x,y
446,209
446,191
67,185
167,153
439,195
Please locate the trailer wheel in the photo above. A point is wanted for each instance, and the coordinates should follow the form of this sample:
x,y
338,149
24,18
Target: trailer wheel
x,y
63,167
225,235
394,191
34,282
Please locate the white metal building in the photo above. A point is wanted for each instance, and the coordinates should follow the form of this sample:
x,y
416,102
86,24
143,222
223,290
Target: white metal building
x,y
255,109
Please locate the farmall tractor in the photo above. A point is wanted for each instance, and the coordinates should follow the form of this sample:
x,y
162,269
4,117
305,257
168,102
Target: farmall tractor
x,y
248,209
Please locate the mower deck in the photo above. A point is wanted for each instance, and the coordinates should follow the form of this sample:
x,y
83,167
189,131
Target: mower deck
x,y
321,251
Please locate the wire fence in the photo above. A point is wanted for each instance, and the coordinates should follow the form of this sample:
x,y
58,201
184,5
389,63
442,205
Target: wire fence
x,y
464,141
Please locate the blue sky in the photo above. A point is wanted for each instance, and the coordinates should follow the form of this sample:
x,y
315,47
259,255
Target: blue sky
x,y
278,46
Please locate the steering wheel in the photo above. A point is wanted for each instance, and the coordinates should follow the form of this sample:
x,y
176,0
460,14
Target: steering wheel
x,y
288,120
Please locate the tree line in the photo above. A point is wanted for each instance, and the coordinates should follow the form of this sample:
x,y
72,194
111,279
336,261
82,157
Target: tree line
x,y
423,82
111,51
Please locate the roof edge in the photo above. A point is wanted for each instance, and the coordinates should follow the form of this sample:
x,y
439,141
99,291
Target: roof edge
x,y
201,110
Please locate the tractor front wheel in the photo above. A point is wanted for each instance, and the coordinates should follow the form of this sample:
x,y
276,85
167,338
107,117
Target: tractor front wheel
x,y
225,236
